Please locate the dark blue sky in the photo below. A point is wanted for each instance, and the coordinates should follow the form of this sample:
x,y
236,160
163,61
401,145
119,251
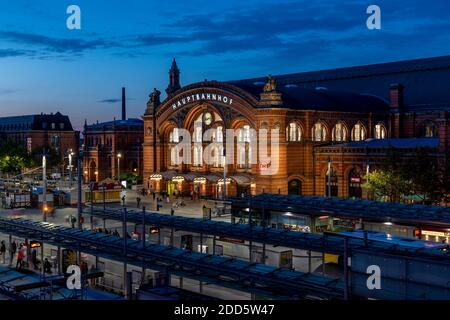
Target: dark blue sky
x,y
44,67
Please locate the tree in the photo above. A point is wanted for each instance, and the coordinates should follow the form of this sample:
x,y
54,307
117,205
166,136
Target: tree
x,y
387,185
14,158
420,175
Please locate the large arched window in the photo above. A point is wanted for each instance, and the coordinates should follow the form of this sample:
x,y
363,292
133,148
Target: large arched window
x,y
339,132
319,132
218,159
358,132
244,150
380,131
198,155
293,132
174,136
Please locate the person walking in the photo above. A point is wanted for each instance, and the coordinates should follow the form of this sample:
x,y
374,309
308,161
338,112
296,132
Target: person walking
x,y
47,266
123,200
12,251
93,281
138,201
3,250
20,257
34,259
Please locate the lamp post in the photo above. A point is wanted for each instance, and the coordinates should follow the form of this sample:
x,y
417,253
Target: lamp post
x,y
119,155
329,178
44,191
79,187
224,176
71,154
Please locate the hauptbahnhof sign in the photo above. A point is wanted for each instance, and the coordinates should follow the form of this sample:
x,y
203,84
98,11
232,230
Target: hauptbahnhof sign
x,y
202,97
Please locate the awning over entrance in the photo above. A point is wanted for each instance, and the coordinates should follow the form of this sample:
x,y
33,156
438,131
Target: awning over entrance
x,y
241,179
166,175
212,178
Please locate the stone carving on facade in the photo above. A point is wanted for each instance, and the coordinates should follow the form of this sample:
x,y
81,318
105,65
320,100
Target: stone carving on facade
x,y
154,101
270,96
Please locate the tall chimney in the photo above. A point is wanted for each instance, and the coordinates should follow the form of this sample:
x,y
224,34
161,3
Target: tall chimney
x,y
396,96
124,107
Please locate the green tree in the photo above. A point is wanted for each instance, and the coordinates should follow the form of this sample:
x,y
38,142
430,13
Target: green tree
x,y
14,158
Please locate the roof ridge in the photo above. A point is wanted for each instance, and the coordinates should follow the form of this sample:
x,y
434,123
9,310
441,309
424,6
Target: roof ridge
x,y
432,63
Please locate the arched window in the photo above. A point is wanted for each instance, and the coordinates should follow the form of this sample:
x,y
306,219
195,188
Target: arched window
x,y
319,132
174,136
428,130
293,132
380,131
358,132
218,159
198,155
219,134
339,132
243,147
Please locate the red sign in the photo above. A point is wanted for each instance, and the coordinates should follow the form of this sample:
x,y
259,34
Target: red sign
x,y
264,166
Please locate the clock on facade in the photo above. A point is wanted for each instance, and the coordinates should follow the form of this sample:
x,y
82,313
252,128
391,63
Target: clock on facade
x,y
207,118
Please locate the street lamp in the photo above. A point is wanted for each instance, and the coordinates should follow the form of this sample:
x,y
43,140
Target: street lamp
x,y
44,191
329,178
119,155
71,154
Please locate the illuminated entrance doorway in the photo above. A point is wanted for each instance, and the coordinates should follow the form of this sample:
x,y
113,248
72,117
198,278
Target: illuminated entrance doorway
x,y
354,184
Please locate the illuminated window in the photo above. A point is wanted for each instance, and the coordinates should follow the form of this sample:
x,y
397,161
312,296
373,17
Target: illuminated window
x,y
428,131
380,132
198,155
339,133
243,147
358,132
174,136
293,132
319,132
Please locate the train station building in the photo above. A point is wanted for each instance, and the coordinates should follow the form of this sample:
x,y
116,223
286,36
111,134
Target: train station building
x,y
333,126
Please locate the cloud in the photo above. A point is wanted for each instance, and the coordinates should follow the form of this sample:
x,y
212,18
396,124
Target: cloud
x,y
57,45
113,100
6,53
7,91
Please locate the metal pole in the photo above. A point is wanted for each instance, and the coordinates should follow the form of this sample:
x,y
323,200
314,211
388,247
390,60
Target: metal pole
x,y
224,173
124,231
11,257
79,205
143,227
58,259
265,226
104,197
345,268
329,178
251,242
44,182
118,166
92,207
124,237
70,169
42,254
309,261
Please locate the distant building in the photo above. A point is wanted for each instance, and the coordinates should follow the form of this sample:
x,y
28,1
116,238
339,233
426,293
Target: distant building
x,y
40,131
113,147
